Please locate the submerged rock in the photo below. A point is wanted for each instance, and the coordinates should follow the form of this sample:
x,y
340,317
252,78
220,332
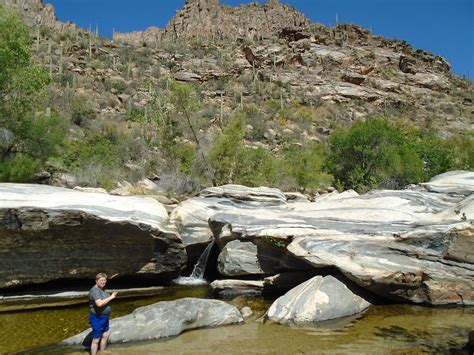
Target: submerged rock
x,y
226,288
166,319
50,233
318,299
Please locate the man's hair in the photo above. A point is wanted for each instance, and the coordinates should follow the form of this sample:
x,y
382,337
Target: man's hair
x,y
100,275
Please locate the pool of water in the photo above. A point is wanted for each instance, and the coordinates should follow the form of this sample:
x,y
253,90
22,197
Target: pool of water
x,y
382,329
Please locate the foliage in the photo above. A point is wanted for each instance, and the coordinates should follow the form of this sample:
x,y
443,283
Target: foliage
x,y
378,152
462,148
305,166
233,162
256,167
28,138
226,151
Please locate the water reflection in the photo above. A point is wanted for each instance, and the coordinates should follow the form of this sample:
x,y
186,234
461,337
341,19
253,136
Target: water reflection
x,y
381,329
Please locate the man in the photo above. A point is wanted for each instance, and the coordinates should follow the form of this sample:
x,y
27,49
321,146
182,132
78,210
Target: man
x,y
99,313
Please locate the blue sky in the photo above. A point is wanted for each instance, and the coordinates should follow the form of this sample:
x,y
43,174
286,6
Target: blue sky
x,y
443,27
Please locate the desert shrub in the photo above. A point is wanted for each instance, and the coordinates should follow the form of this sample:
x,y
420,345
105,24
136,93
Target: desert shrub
x,y
19,169
370,152
461,146
305,167
256,167
80,110
30,132
437,154
225,152
373,152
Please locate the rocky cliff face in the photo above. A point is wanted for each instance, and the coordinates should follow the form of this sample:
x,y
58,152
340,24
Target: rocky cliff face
x,y
207,19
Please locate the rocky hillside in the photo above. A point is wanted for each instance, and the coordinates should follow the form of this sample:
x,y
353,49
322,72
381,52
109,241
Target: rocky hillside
x,y
278,58
295,80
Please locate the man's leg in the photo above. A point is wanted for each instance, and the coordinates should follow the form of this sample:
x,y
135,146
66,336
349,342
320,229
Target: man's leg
x,y
95,346
104,339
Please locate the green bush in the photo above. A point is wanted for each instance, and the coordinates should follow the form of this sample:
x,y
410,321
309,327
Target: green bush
x,y
81,111
380,153
225,152
462,148
19,169
304,165
256,167
371,152
28,139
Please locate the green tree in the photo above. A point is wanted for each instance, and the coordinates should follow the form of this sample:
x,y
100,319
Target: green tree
x,y
27,139
371,152
256,167
305,166
226,151
462,147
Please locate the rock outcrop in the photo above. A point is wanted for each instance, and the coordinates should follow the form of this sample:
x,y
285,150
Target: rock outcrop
x,y
166,319
207,19
191,216
316,300
407,245
50,233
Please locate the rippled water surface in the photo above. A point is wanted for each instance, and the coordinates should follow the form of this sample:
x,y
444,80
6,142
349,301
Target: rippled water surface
x,y
382,329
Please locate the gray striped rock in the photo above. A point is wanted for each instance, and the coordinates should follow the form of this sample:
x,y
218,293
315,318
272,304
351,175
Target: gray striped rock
x,y
49,233
239,258
191,216
407,245
318,299
166,319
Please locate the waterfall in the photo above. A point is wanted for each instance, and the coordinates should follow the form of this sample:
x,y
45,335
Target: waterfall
x,y
197,276
200,267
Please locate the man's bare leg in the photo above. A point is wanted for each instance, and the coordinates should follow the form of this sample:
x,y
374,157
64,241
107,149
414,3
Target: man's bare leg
x,y
104,340
95,346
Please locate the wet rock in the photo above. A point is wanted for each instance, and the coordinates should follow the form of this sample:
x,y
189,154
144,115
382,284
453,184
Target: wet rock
x,y
166,319
318,299
226,288
246,312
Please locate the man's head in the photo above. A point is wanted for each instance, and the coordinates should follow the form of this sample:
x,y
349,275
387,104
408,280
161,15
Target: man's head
x,y
101,279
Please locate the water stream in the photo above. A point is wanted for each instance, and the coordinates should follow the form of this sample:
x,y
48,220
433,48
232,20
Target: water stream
x,y
380,330
197,276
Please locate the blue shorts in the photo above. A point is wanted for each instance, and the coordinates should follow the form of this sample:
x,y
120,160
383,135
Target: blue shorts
x,y
99,324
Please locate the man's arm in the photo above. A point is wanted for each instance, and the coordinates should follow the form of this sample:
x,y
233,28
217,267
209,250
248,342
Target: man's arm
x,y
100,303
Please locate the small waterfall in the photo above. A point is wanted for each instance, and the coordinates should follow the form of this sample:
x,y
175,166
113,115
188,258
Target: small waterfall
x,y
197,276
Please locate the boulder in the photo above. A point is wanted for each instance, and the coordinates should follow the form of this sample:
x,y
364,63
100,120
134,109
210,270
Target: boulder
x,y
318,299
407,65
50,233
240,258
246,312
187,76
453,182
166,319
